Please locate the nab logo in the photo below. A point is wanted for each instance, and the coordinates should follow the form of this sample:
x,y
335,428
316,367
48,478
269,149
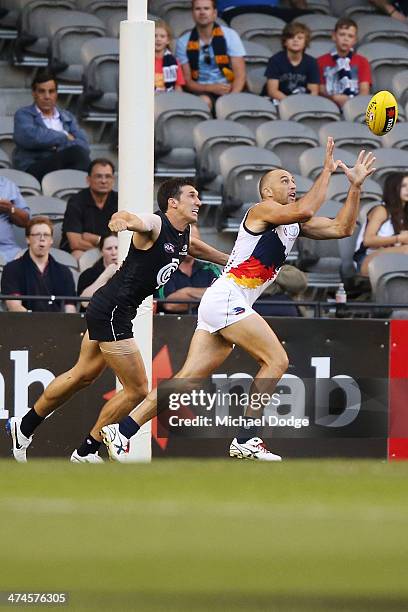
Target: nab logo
x,y
389,118
169,248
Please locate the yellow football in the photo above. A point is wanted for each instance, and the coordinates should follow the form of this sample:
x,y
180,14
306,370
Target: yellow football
x,y
382,113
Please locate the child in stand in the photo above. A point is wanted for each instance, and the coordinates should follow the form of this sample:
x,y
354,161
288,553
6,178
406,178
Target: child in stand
x,y
168,73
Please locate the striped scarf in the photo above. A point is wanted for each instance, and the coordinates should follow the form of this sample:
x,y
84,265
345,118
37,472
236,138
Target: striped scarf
x,y
169,70
344,83
219,46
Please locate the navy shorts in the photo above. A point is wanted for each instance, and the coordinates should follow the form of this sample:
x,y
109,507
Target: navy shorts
x,y
116,326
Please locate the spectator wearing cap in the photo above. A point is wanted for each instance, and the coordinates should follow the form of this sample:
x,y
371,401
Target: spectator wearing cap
x,y
47,137
292,71
344,73
211,56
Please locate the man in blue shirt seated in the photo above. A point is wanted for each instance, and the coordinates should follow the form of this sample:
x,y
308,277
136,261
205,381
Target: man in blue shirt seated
x,y
187,283
37,273
211,56
13,211
47,137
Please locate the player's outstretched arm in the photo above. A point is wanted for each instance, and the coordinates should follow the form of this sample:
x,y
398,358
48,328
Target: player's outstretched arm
x,y
201,250
143,223
343,225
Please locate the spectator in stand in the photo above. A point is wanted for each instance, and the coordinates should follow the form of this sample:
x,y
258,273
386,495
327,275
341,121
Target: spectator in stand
x,y
212,57
89,211
397,9
13,211
222,5
386,227
37,273
292,71
96,276
47,137
187,283
168,75
343,73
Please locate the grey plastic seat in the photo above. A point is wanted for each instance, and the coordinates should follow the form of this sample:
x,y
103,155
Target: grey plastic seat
x,y
67,34
176,115
211,138
400,86
103,9
5,161
248,109
349,136
288,139
380,28
321,259
63,257
388,273
256,80
63,183
388,161
365,209
13,99
27,183
386,59
12,77
319,6
397,138
241,168
319,47
54,208
31,45
351,8
339,186
88,259
321,26
159,7
256,60
113,23
311,161
313,111
6,134
260,28
355,109
100,61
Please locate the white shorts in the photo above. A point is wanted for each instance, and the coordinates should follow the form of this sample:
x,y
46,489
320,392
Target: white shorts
x,y
221,305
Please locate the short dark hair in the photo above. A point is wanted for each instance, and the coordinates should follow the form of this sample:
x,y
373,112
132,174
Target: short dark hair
x,y
103,161
171,189
345,22
104,238
39,219
213,2
291,29
43,76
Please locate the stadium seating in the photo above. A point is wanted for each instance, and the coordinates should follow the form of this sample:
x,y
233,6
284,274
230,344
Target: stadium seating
x,y
246,108
380,28
388,161
31,45
88,259
176,115
313,111
256,80
63,183
162,7
13,99
339,186
63,257
113,23
388,273
8,22
397,138
6,134
349,136
27,183
351,8
319,47
311,161
400,87
386,59
288,139
67,34
54,208
260,28
100,62
355,109
256,60
5,161
103,9
319,6
13,77
321,26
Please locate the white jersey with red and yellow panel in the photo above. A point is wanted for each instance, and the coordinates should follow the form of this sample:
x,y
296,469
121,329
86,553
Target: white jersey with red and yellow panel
x,y
256,258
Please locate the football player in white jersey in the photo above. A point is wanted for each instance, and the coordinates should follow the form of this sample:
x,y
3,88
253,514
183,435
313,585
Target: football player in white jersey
x,y
226,317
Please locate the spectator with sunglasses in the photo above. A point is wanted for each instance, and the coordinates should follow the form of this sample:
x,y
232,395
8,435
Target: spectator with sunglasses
x,y
211,56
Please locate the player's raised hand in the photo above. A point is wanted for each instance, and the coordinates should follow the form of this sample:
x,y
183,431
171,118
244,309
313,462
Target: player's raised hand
x,y
329,163
362,169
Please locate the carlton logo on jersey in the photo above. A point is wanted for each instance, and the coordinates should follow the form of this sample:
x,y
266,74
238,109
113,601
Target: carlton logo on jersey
x,y
164,273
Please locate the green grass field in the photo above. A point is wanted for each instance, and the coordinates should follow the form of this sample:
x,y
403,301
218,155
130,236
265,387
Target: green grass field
x,y
208,536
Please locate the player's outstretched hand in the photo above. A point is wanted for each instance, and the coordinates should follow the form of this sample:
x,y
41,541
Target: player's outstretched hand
x,y
329,163
117,224
362,169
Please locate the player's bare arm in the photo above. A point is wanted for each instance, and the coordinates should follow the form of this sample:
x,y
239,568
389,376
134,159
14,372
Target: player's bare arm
x,y
343,225
145,227
201,250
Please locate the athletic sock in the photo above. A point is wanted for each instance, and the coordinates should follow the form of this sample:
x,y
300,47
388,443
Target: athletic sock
x,y
30,422
128,427
247,432
89,446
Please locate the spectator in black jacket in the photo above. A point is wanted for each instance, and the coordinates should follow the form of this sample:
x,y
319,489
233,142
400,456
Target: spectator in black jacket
x,y
97,275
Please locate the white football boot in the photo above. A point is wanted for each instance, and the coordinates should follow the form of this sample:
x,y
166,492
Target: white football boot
x,y
253,449
89,458
20,442
116,443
